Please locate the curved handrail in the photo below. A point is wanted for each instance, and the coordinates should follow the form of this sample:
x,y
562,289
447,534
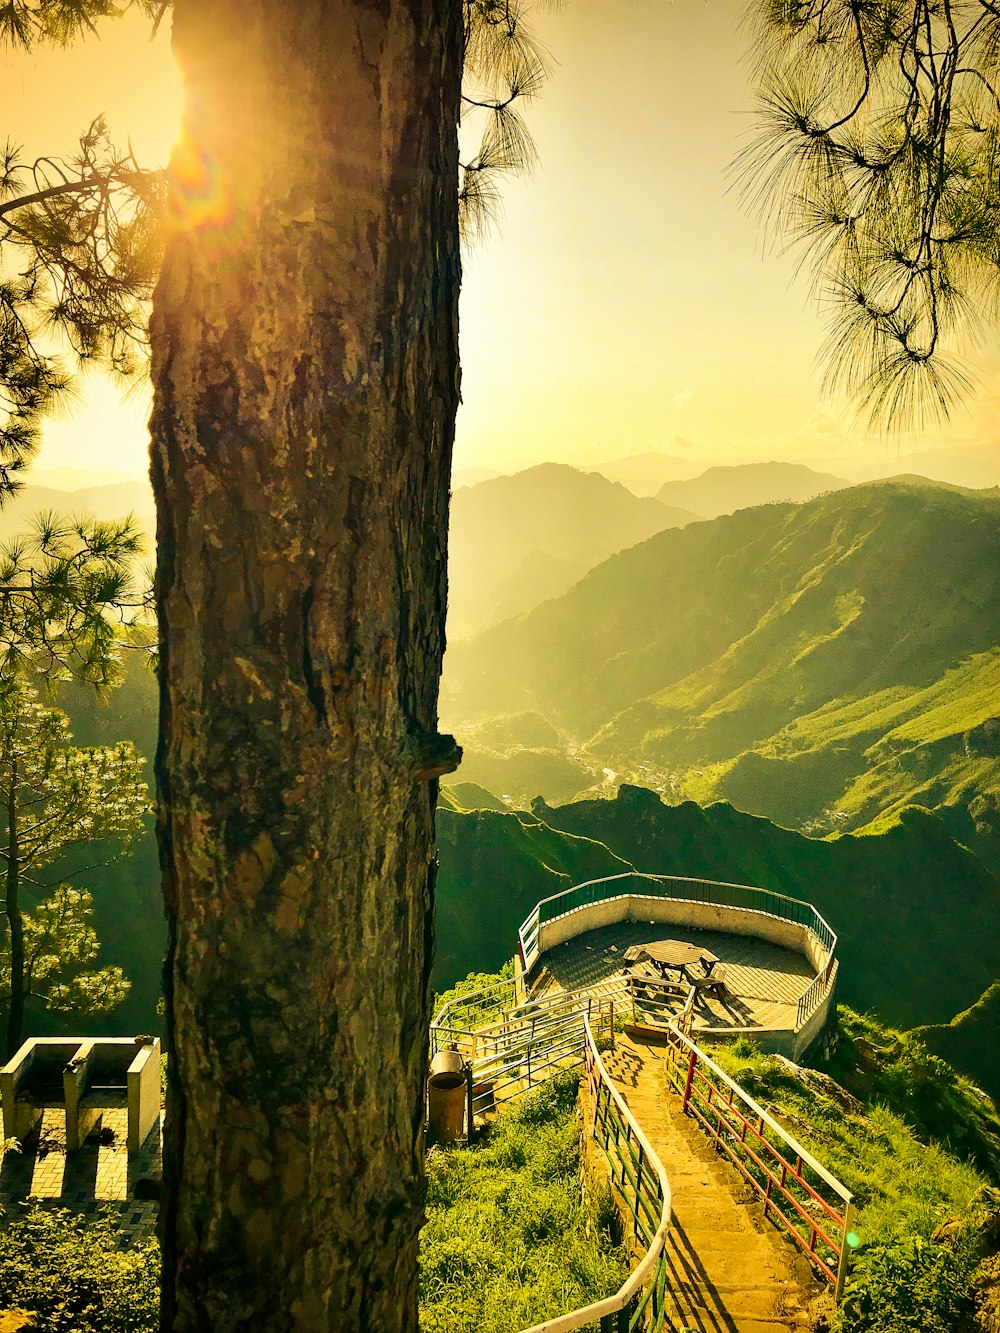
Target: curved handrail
x,y
630,1288
827,935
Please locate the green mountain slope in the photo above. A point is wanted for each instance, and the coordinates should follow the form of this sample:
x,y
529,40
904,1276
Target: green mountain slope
x,y
938,747
493,869
838,655
971,1041
723,490
515,541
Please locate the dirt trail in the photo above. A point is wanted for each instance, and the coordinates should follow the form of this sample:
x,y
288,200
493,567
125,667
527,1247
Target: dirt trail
x,y
729,1270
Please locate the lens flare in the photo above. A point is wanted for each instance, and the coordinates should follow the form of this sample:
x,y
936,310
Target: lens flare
x,y
202,198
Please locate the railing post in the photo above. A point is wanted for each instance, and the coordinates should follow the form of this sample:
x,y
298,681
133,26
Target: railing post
x,y
845,1250
692,1057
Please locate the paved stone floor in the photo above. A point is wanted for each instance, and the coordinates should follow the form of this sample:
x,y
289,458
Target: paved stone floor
x,y
99,1176
764,980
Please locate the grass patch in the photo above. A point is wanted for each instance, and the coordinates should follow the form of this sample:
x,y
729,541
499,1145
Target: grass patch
x,y
915,1143
508,1241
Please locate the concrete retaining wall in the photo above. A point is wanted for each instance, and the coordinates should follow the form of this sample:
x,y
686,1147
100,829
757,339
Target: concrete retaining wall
x,y
682,912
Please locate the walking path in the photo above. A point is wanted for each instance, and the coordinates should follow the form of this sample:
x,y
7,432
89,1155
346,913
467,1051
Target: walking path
x,y
99,1177
730,1271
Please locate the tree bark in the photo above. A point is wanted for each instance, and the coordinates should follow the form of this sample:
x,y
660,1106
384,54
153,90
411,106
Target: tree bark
x,y
305,364
15,921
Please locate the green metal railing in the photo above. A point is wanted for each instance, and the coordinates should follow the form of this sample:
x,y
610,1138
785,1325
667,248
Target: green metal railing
x,y
643,1192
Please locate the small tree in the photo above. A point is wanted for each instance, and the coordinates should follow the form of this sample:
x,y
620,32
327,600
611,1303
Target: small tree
x,y
55,798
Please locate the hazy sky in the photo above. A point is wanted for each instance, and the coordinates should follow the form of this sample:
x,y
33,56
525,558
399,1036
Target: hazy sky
x,y
625,300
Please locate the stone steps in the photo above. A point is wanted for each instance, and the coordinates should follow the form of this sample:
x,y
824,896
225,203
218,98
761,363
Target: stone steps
x,y
729,1271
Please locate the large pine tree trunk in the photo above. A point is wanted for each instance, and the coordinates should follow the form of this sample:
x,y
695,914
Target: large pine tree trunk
x,y
306,375
15,919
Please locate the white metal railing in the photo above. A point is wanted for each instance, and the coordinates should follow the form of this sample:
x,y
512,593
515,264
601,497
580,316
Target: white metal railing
x,y
816,992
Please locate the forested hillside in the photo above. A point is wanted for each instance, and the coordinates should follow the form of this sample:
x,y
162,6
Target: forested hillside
x,y
817,663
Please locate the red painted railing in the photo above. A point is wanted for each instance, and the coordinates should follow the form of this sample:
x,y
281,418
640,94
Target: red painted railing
x,y
799,1194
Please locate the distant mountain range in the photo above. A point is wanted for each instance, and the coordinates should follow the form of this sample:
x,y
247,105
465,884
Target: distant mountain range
x,y
112,501
723,490
645,473
516,541
818,663
976,466
78,478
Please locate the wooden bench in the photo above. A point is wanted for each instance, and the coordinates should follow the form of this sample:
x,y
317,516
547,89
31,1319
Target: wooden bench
x,y
713,984
83,1076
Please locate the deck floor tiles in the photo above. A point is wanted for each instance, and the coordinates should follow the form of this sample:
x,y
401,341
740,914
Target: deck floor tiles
x,y
99,1176
765,980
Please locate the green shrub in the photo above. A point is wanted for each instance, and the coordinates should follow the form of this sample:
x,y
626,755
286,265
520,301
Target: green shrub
x,y
71,1273
909,1285
508,1240
913,1149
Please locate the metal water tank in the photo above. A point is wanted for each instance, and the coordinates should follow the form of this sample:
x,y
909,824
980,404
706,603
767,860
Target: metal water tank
x,y
447,1092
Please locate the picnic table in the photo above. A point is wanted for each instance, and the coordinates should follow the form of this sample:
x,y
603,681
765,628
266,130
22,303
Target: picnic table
x,y
690,961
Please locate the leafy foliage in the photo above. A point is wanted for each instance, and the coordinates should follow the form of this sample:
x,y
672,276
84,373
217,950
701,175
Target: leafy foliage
x,y
878,152
71,1272
69,600
25,23
82,236
916,1148
57,797
504,65
908,1285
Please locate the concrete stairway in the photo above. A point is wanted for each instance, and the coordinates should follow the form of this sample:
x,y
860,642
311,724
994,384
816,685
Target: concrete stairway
x,y
730,1271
